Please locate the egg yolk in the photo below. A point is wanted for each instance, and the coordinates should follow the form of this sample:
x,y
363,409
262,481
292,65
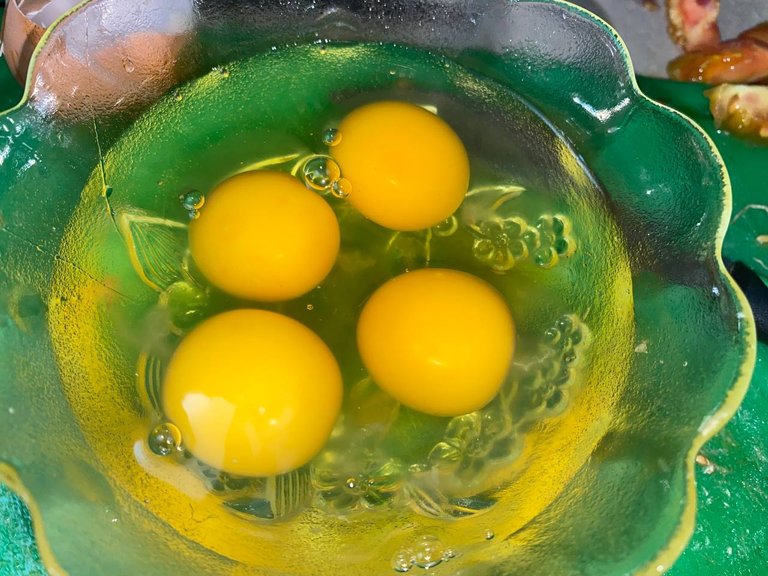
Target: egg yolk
x,y
254,393
439,341
262,235
407,168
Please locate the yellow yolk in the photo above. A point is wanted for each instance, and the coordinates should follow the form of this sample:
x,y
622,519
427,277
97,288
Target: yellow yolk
x,y
254,393
407,168
439,341
262,235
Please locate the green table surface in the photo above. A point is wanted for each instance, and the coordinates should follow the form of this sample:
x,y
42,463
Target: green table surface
x,y
731,537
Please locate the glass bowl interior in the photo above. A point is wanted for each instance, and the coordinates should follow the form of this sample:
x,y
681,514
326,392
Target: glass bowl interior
x,y
597,213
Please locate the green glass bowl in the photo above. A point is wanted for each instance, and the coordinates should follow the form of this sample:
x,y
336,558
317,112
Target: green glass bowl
x,y
108,135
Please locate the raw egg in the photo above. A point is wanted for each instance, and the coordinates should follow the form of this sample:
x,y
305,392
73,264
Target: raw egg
x,y
407,168
439,341
262,235
253,392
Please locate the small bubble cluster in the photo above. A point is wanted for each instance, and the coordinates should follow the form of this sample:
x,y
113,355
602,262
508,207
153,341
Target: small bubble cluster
x,y
192,202
426,553
320,173
503,242
165,439
323,174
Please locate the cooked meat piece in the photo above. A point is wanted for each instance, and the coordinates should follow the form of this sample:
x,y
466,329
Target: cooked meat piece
x,y
741,109
743,61
693,23
758,33
736,107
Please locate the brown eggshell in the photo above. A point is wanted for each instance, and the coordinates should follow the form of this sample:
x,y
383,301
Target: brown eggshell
x,y
20,37
136,71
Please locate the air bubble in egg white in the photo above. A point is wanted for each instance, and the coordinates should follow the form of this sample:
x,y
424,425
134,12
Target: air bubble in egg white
x,y
341,188
429,552
447,227
331,137
192,202
320,172
164,439
403,561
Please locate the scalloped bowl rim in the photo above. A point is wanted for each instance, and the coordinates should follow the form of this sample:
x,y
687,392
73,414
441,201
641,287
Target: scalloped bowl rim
x,y
712,424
